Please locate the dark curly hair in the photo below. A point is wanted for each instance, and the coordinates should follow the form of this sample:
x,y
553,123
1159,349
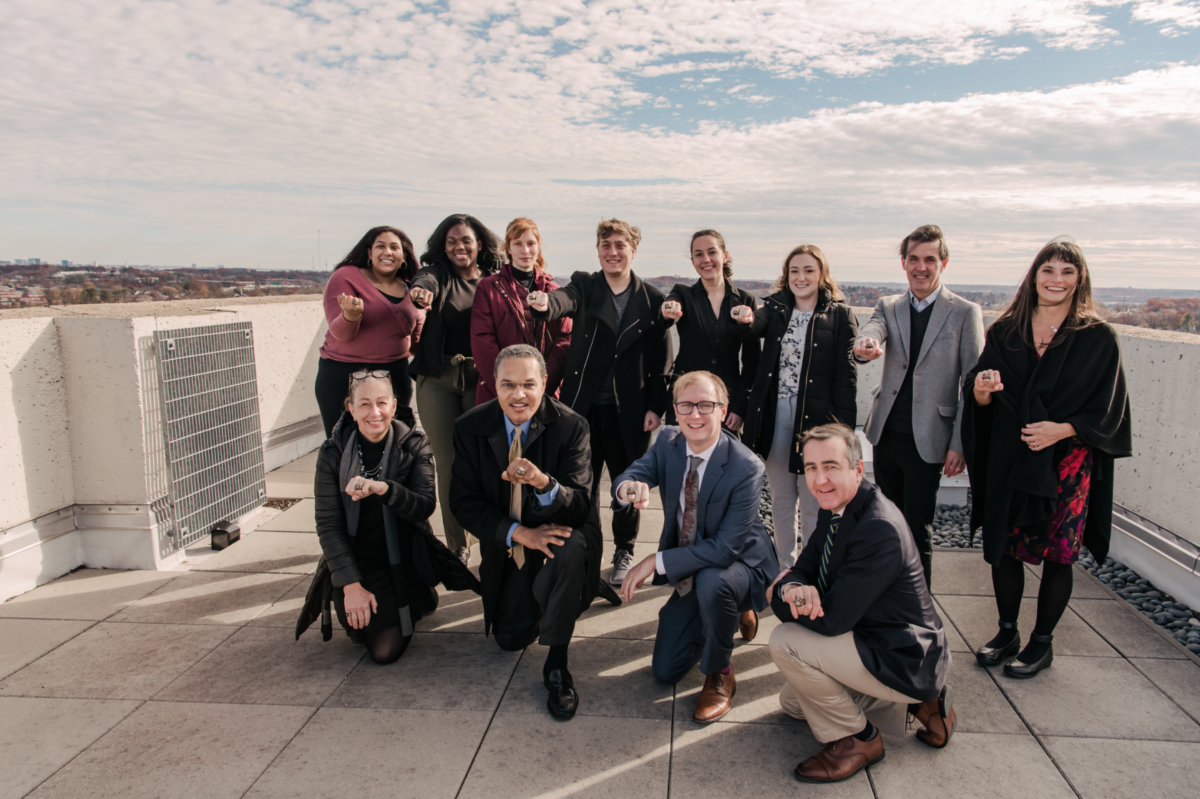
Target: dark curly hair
x,y
490,255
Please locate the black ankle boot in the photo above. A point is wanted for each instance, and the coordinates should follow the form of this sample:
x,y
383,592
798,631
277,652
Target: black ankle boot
x,y
1022,670
993,653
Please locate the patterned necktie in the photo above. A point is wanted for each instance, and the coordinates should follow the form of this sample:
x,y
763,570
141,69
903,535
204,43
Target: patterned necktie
x,y
514,503
687,531
823,574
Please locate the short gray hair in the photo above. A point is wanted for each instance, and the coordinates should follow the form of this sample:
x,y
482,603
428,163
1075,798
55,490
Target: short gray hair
x,y
520,351
827,432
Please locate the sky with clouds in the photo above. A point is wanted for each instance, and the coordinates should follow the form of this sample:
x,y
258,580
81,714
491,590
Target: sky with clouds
x,y
152,131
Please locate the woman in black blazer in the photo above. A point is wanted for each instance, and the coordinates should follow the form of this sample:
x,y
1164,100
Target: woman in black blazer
x,y
708,340
806,377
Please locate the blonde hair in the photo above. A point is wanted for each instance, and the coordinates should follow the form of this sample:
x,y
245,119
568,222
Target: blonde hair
x,y
691,378
609,227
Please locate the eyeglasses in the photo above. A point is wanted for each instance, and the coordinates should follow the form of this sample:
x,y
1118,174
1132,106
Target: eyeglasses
x,y
706,407
364,374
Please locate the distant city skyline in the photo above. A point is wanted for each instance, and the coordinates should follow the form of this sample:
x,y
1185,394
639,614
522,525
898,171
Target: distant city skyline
x,y
230,133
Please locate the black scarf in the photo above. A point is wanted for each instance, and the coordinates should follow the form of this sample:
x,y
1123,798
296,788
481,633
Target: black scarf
x,y
1078,381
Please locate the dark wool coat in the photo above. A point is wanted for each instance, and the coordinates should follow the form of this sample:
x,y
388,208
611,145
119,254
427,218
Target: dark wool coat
x,y
501,317
410,500
639,351
711,344
829,384
1080,382
558,444
877,591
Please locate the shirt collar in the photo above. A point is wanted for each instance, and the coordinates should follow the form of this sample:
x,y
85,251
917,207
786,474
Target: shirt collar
x,y
509,427
921,305
706,453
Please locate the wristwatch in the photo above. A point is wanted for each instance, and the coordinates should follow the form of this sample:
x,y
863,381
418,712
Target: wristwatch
x,y
549,487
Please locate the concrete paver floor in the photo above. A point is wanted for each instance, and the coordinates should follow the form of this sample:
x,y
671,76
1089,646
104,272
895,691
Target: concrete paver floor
x,y
190,684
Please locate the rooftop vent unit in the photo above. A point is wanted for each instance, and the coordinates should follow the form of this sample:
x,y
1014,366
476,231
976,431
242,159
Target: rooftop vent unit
x,y
208,392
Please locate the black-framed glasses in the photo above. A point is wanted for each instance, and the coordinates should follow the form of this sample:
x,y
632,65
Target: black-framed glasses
x,y
363,374
706,407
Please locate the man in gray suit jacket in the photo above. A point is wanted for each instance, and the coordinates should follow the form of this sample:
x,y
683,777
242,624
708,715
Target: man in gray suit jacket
x,y
932,338
714,548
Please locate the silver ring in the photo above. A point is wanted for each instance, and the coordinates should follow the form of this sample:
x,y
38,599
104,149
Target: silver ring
x,y
520,471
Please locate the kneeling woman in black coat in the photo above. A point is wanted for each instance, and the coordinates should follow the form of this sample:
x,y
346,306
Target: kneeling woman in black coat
x,y
374,495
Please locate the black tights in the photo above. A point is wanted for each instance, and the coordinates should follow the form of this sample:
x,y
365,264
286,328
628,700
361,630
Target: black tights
x,y
386,645
1008,580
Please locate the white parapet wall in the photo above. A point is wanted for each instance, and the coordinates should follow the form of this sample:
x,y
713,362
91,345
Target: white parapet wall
x,y
81,450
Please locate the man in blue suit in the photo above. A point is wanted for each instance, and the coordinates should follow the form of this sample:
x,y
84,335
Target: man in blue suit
x,y
713,549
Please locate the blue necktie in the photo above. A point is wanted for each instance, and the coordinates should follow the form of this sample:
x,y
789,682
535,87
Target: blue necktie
x,y
823,574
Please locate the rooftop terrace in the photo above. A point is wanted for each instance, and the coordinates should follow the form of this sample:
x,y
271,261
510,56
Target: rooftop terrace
x,y
189,683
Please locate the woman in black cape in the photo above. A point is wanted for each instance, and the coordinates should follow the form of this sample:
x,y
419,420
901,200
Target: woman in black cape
x,y
1047,412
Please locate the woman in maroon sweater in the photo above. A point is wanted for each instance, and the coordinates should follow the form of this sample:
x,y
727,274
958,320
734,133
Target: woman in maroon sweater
x,y
373,324
501,317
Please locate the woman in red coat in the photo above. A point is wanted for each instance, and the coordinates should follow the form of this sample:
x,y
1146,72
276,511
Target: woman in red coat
x,y
500,316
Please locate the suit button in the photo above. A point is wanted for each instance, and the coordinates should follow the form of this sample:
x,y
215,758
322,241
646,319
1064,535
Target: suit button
x,y
714,360
893,391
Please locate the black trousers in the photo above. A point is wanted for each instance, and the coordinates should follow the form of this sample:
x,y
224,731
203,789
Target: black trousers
x,y
608,449
542,600
700,626
333,385
912,484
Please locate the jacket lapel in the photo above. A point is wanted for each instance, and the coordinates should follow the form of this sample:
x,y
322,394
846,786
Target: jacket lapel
x,y
491,425
902,309
669,490
537,425
637,311
600,303
942,309
713,472
704,311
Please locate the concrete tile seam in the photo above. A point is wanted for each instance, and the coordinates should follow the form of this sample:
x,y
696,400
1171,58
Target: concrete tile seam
x,y
99,738
495,711
281,751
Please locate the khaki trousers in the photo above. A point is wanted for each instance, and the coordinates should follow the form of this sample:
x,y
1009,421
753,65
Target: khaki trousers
x,y
830,688
440,401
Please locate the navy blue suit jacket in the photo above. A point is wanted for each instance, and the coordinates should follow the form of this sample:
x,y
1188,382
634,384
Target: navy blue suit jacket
x,y
726,512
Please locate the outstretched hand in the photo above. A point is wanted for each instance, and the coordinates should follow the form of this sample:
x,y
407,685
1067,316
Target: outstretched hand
x,y
867,349
539,301
742,314
671,309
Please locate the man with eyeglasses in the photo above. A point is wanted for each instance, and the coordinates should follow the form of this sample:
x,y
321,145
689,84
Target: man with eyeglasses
x,y
713,548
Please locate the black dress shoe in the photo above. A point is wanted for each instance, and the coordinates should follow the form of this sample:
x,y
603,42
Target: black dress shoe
x,y
563,701
1023,671
995,655
610,593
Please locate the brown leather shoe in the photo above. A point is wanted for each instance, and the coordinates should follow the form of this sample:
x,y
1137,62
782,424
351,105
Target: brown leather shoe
x,y
840,760
938,718
716,698
748,625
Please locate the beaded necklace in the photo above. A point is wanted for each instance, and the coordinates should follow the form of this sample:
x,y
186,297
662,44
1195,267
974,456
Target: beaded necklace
x,y
370,474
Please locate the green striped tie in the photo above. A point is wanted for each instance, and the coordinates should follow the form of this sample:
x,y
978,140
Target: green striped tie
x,y
822,576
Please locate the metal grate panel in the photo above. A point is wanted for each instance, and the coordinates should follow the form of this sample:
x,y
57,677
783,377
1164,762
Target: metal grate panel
x,y
208,389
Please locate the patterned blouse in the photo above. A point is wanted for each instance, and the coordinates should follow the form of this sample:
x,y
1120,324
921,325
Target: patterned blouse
x,y
791,355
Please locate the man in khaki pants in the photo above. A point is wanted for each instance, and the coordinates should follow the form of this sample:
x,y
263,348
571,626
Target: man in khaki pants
x,y
860,644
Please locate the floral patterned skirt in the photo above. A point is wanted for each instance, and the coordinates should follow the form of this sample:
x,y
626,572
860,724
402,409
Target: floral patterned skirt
x,y
1059,541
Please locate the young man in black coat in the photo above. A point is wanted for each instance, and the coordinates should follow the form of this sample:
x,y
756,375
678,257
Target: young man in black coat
x,y
522,486
860,642
616,366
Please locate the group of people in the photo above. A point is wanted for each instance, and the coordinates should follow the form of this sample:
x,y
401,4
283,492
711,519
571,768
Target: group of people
x,y
527,392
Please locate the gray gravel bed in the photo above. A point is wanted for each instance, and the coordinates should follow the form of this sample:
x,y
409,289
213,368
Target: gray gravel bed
x,y
1158,606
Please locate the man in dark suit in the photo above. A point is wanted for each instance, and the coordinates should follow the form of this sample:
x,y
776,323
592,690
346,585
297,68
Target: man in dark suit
x,y
860,642
713,548
522,486
617,363
932,337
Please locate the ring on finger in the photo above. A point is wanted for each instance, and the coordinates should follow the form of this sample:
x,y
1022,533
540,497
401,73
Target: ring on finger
x,y
520,471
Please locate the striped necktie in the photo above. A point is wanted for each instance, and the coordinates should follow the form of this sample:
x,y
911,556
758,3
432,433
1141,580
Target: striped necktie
x,y
823,574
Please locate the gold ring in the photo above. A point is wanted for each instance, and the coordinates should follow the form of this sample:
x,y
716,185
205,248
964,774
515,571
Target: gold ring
x,y
801,602
520,471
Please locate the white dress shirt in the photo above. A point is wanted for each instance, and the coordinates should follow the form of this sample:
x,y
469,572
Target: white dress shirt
x,y
920,305
705,455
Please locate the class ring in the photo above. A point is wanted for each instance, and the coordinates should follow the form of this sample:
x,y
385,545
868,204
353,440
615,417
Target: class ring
x,y
520,471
